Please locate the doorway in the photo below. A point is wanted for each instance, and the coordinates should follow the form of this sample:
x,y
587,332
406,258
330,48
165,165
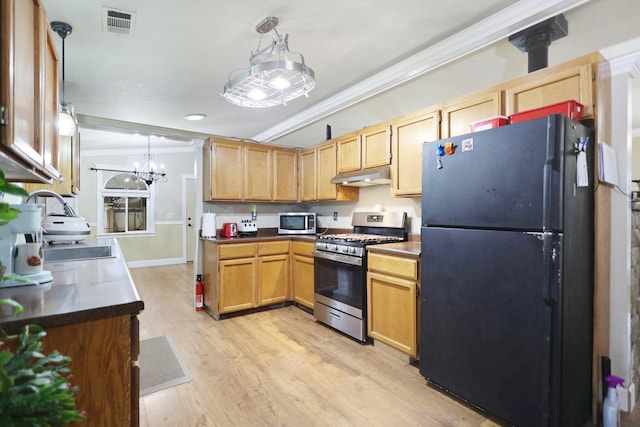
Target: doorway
x,y
189,225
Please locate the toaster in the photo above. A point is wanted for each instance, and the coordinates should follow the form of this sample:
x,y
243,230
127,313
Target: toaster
x,y
229,229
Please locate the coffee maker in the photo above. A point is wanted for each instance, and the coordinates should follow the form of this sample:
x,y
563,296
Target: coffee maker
x,y
21,249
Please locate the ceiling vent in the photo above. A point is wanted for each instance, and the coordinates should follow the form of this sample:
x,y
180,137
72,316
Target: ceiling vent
x,y
118,21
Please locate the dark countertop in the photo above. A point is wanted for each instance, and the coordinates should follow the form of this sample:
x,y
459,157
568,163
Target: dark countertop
x,y
410,248
81,290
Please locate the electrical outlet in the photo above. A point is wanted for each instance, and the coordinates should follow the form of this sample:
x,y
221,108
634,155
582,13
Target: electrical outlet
x,y
335,216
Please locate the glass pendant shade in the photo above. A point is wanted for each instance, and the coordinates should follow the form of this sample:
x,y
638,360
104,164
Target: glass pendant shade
x,y
66,122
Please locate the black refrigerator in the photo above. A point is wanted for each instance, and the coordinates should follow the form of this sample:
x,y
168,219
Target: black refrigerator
x,y
507,270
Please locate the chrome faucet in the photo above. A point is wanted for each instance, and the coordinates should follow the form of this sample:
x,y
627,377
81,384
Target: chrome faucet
x,y
68,210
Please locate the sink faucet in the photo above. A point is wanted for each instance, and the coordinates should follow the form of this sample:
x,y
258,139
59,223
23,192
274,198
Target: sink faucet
x,y
68,211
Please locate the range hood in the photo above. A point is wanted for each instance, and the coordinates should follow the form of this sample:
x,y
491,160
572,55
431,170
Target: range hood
x,y
364,178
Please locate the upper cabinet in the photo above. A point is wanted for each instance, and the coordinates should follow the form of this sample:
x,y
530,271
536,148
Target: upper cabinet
x,y
235,170
571,80
409,133
326,170
367,148
376,146
223,170
308,175
28,93
258,172
349,156
460,113
285,174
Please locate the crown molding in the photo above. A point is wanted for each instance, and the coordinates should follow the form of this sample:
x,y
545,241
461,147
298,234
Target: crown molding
x,y
510,20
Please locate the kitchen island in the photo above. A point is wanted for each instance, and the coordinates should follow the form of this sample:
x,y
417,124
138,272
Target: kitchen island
x,y
90,312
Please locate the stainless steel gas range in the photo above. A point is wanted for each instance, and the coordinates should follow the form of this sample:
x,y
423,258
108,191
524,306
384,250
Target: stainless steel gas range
x,y
340,269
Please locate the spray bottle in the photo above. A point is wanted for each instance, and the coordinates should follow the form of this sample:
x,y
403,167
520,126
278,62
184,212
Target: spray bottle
x,y
610,412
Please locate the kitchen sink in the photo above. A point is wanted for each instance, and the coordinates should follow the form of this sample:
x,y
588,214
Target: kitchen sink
x,y
73,253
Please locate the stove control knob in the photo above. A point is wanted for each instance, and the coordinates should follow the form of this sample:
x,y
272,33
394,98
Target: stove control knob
x,y
335,248
352,250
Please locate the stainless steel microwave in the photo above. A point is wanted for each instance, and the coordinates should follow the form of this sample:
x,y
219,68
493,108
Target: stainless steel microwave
x,y
296,223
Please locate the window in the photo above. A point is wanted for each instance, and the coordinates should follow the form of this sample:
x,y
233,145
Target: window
x,y
126,206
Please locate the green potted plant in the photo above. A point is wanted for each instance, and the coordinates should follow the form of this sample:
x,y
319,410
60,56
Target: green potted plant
x,y
34,387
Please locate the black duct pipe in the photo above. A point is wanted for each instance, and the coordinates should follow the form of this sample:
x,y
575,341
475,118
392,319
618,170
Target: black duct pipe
x,y
536,40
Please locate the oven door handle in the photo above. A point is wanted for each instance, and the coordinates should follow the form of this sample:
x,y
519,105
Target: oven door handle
x,y
345,259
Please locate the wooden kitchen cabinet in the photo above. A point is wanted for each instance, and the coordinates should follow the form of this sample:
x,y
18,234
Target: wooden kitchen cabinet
x,y
308,175
349,155
367,148
104,355
258,171
409,134
28,93
237,277
302,273
273,272
460,113
68,166
318,165
573,80
285,174
223,170
235,170
241,276
327,169
392,301
376,146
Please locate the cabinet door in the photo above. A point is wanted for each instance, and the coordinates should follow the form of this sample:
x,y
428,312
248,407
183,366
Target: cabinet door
x,y
237,284
391,305
349,153
302,276
575,81
258,172
273,279
326,171
408,137
285,182
227,170
376,146
308,175
49,96
458,115
21,37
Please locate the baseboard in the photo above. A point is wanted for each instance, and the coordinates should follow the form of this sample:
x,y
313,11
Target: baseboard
x,y
155,262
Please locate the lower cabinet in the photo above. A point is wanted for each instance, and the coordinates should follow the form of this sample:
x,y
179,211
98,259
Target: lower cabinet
x,y
104,355
241,276
392,301
302,272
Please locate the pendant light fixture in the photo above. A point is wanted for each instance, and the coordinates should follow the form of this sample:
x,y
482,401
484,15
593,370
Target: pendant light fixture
x,y
148,173
66,121
275,74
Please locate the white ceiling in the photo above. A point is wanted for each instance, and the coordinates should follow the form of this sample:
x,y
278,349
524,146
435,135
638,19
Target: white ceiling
x,y
178,58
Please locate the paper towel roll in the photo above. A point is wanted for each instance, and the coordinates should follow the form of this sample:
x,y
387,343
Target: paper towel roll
x,y
209,225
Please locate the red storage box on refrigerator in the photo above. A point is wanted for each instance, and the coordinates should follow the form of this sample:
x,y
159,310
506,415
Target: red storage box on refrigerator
x,y
489,123
571,109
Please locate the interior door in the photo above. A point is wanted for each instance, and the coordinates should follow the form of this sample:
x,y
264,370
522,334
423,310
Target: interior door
x,y
486,316
191,229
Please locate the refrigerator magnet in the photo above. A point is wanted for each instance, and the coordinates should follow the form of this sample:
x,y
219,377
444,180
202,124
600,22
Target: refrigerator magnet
x,y
467,144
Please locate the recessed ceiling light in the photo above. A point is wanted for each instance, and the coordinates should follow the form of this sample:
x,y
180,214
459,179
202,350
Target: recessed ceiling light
x,y
195,116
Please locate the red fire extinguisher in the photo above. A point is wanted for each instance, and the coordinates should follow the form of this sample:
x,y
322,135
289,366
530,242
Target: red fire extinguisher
x,y
199,294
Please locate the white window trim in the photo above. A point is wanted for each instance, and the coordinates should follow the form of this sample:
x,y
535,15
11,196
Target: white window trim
x,y
151,209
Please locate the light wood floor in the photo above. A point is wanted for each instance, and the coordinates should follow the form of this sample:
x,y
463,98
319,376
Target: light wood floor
x,y
278,368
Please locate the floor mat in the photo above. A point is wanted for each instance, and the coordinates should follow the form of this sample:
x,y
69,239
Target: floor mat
x,y
161,365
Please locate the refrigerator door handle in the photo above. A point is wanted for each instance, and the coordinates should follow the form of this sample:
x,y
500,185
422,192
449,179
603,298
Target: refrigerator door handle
x,y
551,253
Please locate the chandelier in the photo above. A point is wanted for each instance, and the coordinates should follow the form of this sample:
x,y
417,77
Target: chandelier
x,y
148,172
275,74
